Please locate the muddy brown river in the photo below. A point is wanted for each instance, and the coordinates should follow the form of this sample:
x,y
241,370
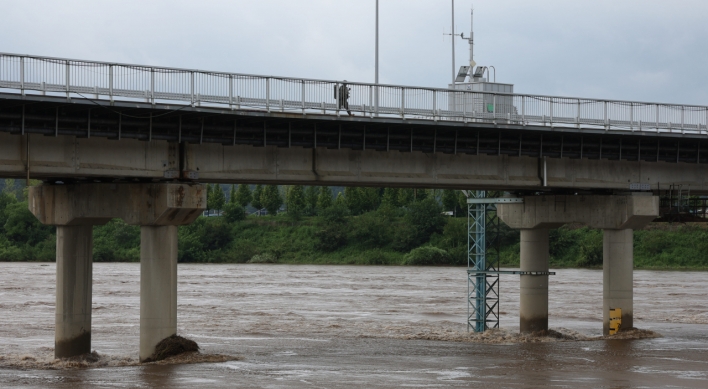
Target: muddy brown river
x,y
278,326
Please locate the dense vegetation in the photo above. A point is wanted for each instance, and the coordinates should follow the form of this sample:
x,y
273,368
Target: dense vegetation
x,y
367,226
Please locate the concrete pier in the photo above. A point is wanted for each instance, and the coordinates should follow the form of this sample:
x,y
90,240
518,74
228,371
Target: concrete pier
x,y
533,312
617,215
158,286
74,209
73,295
617,277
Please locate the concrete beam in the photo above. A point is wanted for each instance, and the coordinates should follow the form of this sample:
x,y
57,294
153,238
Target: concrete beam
x,y
84,158
136,204
605,212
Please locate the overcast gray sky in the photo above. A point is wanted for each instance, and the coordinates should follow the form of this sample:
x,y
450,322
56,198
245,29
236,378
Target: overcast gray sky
x,y
646,50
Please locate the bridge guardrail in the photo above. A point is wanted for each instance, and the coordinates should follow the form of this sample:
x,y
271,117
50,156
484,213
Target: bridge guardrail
x,y
102,80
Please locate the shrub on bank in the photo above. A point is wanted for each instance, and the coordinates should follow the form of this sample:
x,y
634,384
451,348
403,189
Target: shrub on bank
x,y
427,256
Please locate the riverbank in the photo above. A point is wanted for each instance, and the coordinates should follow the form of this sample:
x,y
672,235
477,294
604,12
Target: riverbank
x,y
381,237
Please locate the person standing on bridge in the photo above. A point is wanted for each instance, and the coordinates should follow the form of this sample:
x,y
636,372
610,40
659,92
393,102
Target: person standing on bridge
x,y
341,94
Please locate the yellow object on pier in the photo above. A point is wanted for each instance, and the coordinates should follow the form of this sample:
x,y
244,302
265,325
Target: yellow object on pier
x,y
615,320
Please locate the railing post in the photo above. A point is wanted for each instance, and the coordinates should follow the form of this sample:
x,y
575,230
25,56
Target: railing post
x,y
607,126
67,78
191,87
523,110
302,83
435,104
706,125
657,117
152,86
403,102
22,75
682,114
110,82
578,117
231,91
631,116
371,99
268,94
337,98
464,106
551,113
494,107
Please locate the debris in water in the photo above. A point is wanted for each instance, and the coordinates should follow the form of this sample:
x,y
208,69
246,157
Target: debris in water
x,y
172,346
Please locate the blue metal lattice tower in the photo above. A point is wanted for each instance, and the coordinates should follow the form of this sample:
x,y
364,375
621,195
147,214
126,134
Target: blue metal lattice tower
x,y
482,263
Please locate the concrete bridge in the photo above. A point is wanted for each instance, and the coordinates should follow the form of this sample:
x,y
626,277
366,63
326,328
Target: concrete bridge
x,y
133,142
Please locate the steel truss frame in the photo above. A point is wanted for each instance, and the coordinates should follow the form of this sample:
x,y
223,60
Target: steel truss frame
x,y
482,262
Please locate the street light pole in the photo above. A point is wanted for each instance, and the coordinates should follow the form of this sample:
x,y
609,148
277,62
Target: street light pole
x,y
376,80
376,77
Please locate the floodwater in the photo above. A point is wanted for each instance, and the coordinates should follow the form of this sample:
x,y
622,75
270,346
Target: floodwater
x,y
278,326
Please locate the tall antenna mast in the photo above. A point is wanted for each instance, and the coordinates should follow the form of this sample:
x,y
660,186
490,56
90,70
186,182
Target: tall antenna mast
x,y
471,40
454,71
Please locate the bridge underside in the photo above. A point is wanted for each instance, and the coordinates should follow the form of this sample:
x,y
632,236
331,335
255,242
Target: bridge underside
x,y
81,139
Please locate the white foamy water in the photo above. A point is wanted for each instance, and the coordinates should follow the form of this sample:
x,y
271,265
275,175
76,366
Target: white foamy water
x,y
273,316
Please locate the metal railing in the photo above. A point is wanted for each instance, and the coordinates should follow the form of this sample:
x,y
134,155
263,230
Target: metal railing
x,y
102,80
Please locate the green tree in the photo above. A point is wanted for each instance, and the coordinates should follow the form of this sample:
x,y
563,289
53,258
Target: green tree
x,y
234,212
420,194
22,227
333,235
296,202
271,199
449,201
370,199
6,199
11,188
462,202
210,197
243,195
311,195
423,219
352,197
217,199
256,198
340,201
324,198
232,194
390,198
405,196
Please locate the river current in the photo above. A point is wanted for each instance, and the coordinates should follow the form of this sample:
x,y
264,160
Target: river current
x,y
281,326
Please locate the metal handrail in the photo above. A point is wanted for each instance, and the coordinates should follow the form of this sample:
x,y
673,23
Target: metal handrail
x,y
94,79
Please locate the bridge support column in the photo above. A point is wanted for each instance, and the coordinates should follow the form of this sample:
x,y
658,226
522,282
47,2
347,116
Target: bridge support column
x,y
617,215
617,277
158,286
74,209
72,336
533,312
